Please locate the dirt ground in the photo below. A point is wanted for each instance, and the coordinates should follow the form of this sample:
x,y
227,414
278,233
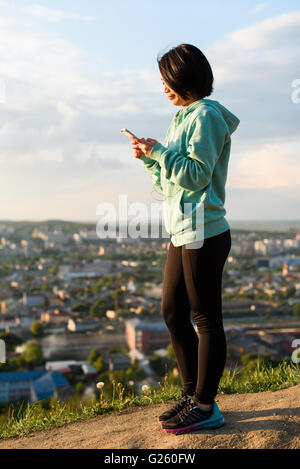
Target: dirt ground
x,y
262,420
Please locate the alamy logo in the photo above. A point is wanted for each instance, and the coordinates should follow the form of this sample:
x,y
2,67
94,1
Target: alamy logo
x,y
189,219
296,353
2,351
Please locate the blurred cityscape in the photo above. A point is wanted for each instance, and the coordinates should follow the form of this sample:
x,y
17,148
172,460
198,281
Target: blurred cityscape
x,y
75,308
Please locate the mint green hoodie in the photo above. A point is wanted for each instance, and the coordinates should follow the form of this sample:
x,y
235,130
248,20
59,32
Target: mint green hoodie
x,y
191,168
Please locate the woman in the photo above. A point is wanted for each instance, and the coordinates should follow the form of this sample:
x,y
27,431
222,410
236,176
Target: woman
x,y
191,168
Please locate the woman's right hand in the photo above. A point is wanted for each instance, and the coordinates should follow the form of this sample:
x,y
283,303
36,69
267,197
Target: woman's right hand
x,y
137,152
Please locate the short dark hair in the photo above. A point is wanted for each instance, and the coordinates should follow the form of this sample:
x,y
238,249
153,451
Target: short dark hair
x,y
186,70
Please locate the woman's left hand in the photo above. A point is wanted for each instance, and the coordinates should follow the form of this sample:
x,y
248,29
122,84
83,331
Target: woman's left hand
x,y
146,145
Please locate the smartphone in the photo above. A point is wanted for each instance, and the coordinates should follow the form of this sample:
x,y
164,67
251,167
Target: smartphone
x,y
128,133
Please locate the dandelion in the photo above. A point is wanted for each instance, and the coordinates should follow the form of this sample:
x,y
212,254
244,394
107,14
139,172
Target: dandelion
x,y
145,387
114,390
166,380
100,386
121,391
131,383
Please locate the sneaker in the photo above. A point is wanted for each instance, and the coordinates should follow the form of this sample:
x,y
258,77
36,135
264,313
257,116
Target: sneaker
x,y
179,406
193,418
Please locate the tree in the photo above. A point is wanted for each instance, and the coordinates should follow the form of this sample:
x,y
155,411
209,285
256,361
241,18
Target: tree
x,y
296,309
37,329
171,355
134,373
290,292
268,313
96,360
11,340
99,364
33,353
231,353
82,308
158,364
79,388
118,295
99,308
14,364
93,356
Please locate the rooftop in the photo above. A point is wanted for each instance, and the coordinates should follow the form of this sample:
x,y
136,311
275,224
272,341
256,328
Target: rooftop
x,y
138,324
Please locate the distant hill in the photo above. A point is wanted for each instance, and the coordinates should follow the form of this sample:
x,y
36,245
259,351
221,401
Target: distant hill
x,y
259,226
268,225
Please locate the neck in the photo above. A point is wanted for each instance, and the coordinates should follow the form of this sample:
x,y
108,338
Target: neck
x,y
188,103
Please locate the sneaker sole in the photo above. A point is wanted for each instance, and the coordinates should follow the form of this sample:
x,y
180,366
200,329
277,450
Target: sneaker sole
x,y
215,423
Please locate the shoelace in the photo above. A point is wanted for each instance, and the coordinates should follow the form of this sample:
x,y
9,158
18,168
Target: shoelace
x,y
186,410
181,404
190,405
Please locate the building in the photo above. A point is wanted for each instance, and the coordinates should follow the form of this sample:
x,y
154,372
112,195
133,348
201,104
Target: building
x,y
131,286
146,336
31,386
268,246
88,270
7,305
153,291
55,316
89,370
72,368
118,361
63,366
244,305
17,326
292,261
51,384
82,325
265,263
291,243
33,300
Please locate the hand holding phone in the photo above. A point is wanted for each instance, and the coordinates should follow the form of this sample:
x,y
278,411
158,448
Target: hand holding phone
x,y
137,153
128,133
140,146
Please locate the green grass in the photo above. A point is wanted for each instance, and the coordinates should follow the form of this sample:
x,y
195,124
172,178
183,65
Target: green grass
x,y
261,378
33,417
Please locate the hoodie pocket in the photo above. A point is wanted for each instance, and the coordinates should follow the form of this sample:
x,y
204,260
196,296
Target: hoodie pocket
x,y
192,211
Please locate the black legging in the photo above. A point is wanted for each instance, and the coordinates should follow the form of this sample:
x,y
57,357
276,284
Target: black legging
x,y
193,283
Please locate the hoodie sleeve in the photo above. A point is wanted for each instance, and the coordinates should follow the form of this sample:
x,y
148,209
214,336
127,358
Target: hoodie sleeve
x,y
154,169
193,170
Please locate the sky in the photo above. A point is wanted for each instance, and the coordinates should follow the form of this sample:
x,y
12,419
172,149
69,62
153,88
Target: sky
x,y
73,73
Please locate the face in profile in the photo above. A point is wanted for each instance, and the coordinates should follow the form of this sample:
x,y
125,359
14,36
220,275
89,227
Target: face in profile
x,y
174,97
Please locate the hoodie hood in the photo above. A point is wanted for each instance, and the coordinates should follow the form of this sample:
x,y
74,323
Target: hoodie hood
x,y
231,120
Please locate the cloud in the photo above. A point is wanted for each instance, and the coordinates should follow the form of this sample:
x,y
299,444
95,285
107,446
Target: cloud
x,y
53,105
254,68
262,204
260,6
60,124
44,13
271,166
